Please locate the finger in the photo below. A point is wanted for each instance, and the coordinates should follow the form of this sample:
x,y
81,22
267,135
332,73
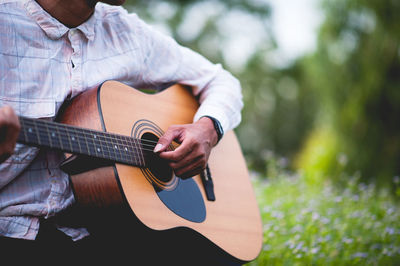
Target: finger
x,y
12,133
182,152
8,119
166,139
9,129
191,159
189,167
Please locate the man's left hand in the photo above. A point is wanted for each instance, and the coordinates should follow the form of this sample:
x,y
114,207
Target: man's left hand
x,y
196,140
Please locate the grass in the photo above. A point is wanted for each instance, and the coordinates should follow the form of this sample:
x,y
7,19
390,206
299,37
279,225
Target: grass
x,y
322,224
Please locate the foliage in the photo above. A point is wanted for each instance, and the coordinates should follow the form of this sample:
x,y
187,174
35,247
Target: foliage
x,y
355,77
322,224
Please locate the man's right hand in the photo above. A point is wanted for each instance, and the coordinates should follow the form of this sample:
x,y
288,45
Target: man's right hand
x,y
9,130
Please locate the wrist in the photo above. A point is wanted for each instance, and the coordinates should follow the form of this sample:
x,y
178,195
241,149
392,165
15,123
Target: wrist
x,y
216,127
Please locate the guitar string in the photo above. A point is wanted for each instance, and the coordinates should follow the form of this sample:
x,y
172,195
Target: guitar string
x,y
65,142
66,126
44,129
137,161
88,132
105,135
138,154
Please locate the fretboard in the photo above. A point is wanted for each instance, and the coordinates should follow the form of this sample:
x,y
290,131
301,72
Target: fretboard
x,y
71,139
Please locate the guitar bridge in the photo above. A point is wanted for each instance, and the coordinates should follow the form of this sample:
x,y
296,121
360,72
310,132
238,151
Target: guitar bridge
x,y
208,183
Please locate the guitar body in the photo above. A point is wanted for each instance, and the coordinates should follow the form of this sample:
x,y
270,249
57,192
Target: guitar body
x,y
157,198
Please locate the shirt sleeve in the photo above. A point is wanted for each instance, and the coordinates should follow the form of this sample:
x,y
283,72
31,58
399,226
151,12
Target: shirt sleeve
x,y
166,62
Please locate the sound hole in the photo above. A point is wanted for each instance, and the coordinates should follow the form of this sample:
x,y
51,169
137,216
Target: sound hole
x,y
157,166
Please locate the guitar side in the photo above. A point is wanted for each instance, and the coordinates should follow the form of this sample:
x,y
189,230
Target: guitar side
x,y
233,221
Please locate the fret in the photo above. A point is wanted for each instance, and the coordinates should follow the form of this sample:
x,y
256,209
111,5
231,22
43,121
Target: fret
x,y
86,143
48,135
53,136
134,151
90,144
114,147
78,140
67,138
103,140
42,133
127,150
71,139
140,151
120,155
109,146
138,143
117,152
24,133
95,147
58,135
37,133
126,155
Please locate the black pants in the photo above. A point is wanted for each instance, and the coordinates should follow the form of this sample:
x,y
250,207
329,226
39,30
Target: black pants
x,y
118,245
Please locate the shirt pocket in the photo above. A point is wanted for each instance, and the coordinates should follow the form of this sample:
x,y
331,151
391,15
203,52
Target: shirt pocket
x,y
32,108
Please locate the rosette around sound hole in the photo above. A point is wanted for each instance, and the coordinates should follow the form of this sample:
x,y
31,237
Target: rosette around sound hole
x,y
158,169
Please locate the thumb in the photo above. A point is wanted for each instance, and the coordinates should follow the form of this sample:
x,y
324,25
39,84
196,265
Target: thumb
x,y
166,139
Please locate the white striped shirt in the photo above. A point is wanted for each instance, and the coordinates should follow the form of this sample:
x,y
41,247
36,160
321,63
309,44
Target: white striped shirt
x,y
43,62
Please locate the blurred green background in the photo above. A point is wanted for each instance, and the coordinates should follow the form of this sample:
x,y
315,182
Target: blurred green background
x,y
321,122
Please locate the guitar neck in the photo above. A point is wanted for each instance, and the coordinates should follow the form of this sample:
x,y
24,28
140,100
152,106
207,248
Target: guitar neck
x,y
70,139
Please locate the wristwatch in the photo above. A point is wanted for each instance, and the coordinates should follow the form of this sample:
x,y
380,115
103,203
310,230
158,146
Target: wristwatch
x,y
217,126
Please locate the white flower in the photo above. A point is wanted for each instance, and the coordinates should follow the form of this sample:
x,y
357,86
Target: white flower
x,y
325,220
347,240
266,247
390,230
296,229
315,216
277,214
338,199
315,250
360,255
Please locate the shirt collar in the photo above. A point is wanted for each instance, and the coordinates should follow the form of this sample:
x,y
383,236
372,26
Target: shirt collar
x,y
52,27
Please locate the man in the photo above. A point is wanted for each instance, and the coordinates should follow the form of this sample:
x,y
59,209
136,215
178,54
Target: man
x,y
52,50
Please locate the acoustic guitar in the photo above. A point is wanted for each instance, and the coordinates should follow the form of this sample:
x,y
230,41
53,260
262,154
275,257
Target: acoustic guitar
x,y
119,127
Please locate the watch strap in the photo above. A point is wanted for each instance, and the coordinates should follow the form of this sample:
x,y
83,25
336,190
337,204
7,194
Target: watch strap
x,y
217,126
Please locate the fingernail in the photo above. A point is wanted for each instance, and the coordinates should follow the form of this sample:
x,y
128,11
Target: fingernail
x,y
158,147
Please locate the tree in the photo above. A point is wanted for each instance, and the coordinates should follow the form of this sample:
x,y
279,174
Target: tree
x,y
355,74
